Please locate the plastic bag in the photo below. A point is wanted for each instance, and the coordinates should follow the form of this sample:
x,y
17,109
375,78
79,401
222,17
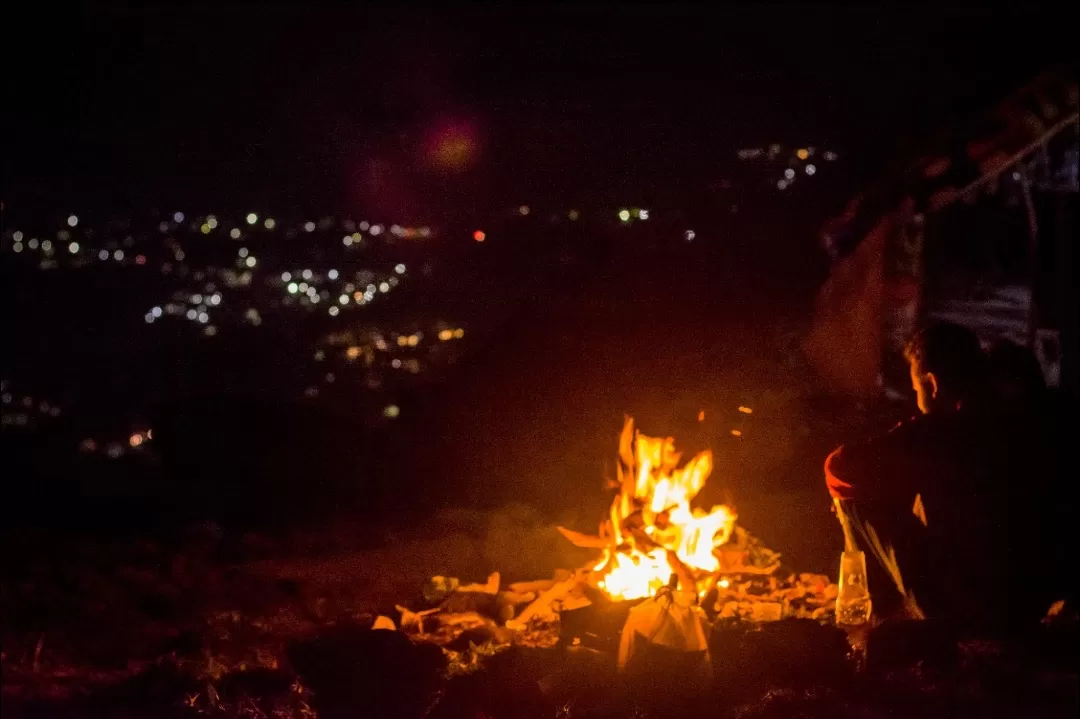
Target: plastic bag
x,y
672,620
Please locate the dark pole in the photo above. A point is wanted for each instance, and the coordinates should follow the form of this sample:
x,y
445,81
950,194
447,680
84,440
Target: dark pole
x,y
1032,257
1068,277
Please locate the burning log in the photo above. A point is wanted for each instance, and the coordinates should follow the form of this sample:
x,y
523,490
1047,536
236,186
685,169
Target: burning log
x,y
586,541
539,585
491,586
541,607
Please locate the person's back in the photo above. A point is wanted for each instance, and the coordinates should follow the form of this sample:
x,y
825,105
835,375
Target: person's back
x,y
956,491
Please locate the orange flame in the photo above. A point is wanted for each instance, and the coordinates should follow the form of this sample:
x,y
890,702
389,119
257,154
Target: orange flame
x,y
652,515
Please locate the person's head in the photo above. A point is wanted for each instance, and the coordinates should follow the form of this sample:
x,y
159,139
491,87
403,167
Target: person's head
x,y
947,365
1015,372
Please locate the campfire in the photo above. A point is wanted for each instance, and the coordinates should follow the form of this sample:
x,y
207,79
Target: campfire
x,y
652,532
651,541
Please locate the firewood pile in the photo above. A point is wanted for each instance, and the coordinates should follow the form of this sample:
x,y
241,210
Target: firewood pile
x,y
470,621
652,541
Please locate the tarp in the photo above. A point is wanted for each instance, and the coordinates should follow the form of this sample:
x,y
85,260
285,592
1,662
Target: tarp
x,y
873,288
844,343
976,150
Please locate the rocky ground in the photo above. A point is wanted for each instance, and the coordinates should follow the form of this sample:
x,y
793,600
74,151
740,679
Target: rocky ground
x,y
203,627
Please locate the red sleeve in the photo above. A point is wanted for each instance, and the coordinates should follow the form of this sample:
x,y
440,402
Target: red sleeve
x,y
838,484
872,469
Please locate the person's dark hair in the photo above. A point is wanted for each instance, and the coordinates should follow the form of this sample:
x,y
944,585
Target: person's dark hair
x,y
1016,368
952,352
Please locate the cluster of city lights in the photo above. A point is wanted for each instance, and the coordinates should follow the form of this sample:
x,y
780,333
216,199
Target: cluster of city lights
x,y
799,161
310,288
628,215
24,412
136,442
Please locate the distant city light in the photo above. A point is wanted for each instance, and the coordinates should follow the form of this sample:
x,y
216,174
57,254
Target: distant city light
x,y
72,220
250,261
745,410
624,215
459,333
178,217
212,221
33,243
306,274
347,240
191,314
46,246
802,153
479,236
391,411
148,317
292,288
243,252
364,226
155,311
205,228
203,318
830,155
333,310
811,169
332,274
196,299
343,299
789,173
269,223
17,247
17,235
210,331
689,235
309,226
286,276
399,268
445,335
311,292
573,215
215,299
252,218
782,185
73,248
523,210
235,233
103,254
643,214
384,287
376,229
118,255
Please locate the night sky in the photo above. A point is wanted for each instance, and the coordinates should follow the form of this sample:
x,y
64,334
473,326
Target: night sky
x,y
336,110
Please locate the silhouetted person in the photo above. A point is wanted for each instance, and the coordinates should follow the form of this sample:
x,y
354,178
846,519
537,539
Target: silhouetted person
x,y
949,502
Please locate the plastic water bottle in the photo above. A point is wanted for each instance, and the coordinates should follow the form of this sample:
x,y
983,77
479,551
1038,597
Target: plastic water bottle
x,y
853,599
